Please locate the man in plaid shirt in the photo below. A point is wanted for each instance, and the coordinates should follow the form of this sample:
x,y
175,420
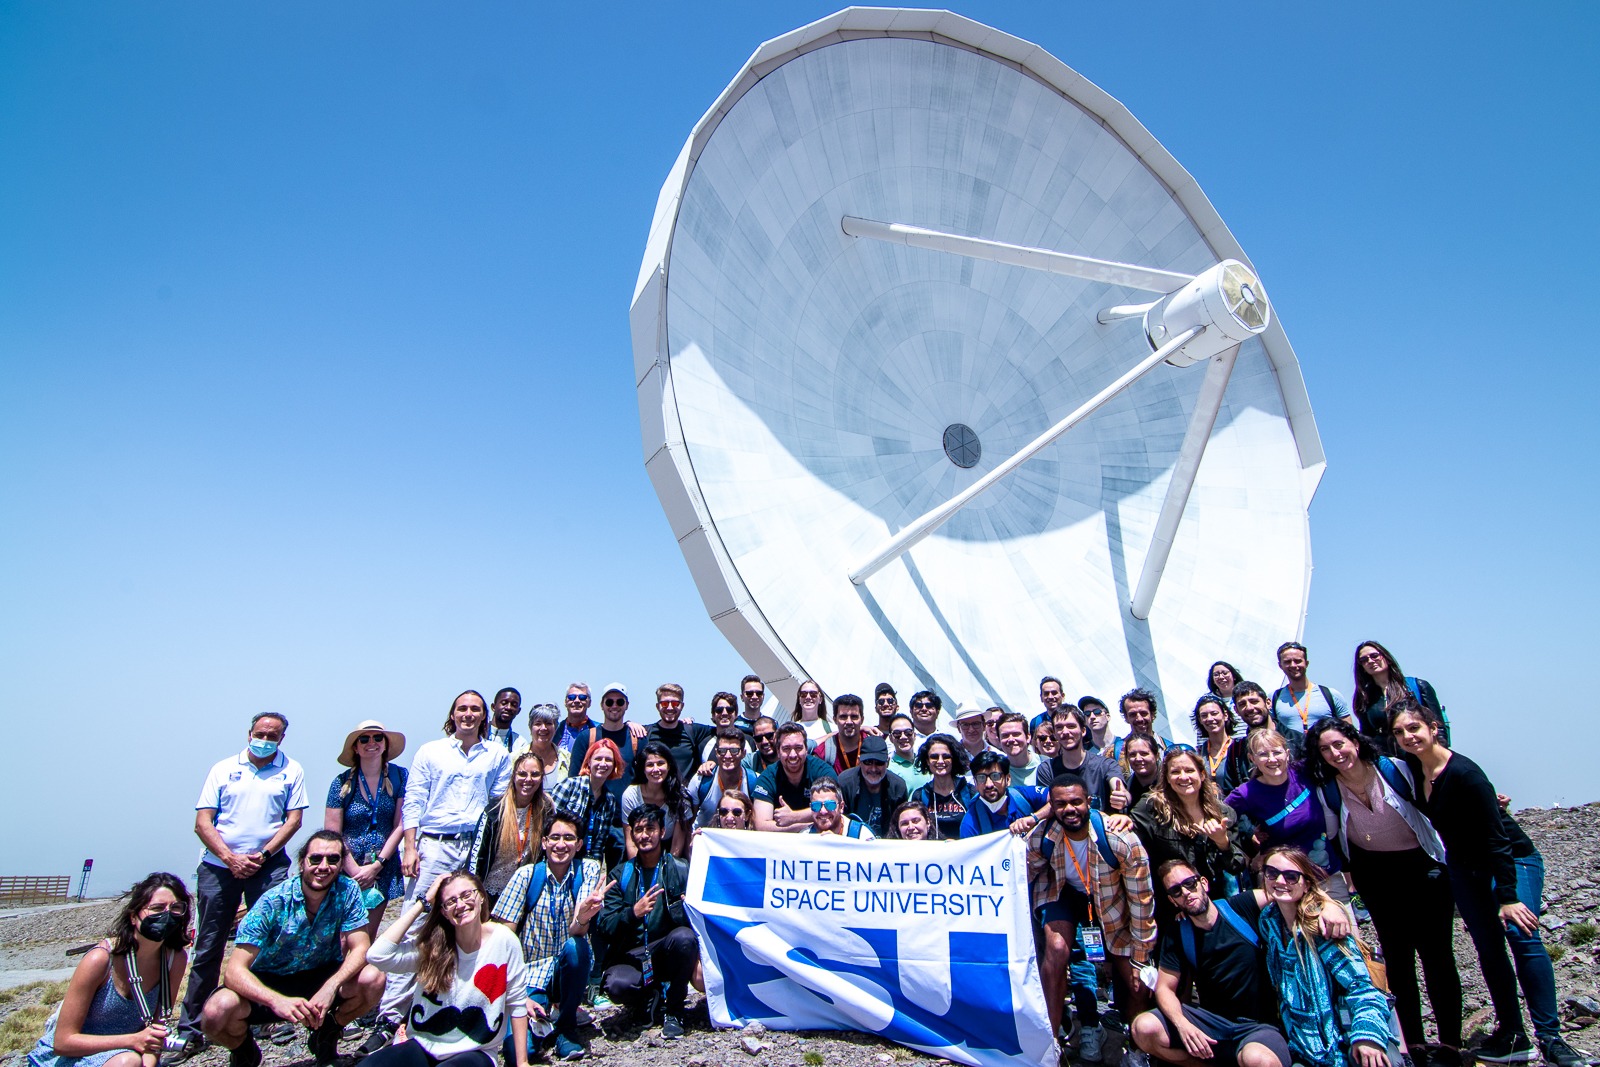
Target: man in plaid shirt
x,y
552,904
1072,882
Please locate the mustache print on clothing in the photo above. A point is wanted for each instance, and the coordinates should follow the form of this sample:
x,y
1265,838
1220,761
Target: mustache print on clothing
x,y
447,1020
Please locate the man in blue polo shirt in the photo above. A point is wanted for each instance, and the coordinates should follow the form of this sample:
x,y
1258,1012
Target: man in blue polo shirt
x,y
249,809
300,956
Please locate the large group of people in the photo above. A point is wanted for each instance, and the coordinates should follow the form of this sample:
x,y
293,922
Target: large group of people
x,y
538,863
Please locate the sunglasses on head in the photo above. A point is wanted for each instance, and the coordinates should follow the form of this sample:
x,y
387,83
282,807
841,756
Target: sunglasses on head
x,y
1289,877
1177,889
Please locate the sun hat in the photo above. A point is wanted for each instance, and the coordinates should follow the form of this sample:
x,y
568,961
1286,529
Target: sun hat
x,y
397,742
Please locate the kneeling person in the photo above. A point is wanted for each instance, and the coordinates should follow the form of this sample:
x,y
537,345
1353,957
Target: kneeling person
x,y
301,956
551,904
647,934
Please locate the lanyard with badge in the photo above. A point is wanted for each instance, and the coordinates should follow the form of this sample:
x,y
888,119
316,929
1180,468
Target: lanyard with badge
x,y
1094,940
647,971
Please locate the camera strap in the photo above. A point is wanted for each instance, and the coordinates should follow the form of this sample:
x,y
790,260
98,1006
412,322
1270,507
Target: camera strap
x,y
163,992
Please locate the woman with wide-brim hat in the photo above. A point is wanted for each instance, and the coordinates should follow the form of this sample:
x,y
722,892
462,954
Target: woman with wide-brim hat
x,y
364,805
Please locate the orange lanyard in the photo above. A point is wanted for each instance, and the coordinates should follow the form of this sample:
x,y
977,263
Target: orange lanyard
x,y
1072,855
1304,710
1215,763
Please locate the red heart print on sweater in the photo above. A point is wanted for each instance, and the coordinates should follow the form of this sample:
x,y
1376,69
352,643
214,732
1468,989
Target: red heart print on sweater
x,y
491,981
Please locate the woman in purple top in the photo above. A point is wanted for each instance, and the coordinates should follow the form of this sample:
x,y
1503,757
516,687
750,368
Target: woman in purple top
x,y
1280,804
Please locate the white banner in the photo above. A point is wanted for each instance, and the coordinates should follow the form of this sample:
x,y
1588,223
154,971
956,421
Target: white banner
x,y
927,944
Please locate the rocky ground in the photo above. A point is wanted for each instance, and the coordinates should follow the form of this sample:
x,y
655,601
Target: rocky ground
x,y
1568,837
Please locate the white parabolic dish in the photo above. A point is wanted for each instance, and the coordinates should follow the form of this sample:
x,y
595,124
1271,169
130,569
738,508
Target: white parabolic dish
x,y
796,384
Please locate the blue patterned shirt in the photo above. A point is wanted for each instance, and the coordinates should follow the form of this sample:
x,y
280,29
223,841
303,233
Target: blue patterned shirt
x,y
290,941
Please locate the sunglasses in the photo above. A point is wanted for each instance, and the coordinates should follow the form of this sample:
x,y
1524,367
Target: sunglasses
x,y
939,756
903,732
324,860
824,805
367,739
577,698
735,811
1178,889
616,703
664,703
749,693
886,702
1371,657
810,696
922,703
1286,877
765,737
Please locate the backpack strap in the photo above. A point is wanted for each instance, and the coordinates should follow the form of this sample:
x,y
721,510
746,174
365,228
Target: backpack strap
x,y
1186,941
1290,808
1327,697
1331,798
541,874
1235,920
1397,781
1098,822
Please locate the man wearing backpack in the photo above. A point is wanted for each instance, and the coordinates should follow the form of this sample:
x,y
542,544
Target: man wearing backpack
x,y
1001,805
552,906
1300,703
1084,875
1215,945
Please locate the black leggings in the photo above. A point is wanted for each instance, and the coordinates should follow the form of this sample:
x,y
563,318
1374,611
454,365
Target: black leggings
x,y
412,1054
1411,904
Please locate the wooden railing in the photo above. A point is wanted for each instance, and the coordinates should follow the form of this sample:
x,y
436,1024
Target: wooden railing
x,y
34,889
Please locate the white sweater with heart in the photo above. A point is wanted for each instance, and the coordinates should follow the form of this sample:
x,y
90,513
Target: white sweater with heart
x,y
489,990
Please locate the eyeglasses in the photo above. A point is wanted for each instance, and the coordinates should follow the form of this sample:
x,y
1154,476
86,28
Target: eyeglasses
x,y
173,908
990,776
567,838
616,703
1178,889
322,859
824,805
665,703
1286,877
577,698
466,896
367,739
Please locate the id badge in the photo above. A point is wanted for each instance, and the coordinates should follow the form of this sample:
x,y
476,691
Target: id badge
x,y
647,972
1094,943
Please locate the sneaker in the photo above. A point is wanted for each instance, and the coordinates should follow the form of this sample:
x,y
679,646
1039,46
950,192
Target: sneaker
x,y
598,999
568,1049
1505,1046
279,1033
1091,1044
1135,1058
671,1026
582,1016
382,1034
1359,908
323,1042
248,1054
1557,1053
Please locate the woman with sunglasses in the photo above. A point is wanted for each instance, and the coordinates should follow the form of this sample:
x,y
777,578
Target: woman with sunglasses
x,y
1497,878
1331,1011
1379,682
947,793
661,786
733,810
511,830
1182,819
811,711
471,981
117,1003
364,808
1395,862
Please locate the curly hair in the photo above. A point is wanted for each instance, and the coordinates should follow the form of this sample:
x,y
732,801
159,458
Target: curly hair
x,y
125,927
1230,720
958,757
1168,807
1318,768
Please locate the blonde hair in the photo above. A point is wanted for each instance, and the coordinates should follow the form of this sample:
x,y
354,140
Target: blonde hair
x,y
1315,901
540,810
1264,734
1167,805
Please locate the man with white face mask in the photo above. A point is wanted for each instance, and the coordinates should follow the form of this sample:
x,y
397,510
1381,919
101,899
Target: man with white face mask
x,y
249,809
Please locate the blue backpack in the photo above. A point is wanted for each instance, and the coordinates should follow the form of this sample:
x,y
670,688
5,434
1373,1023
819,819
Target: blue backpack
x,y
1048,848
541,874
1231,917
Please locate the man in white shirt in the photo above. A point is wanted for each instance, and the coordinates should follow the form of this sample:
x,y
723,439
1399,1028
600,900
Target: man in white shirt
x,y
452,780
249,809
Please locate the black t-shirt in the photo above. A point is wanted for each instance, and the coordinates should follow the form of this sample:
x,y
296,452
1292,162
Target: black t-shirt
x,y
1096,772
1230,973
685,741
774,786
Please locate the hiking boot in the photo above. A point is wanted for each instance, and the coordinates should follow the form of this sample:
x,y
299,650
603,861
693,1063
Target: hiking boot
x,y
1557,1053
1359,908
248,1054
568,1049
1091,1044
279,1033
323,1042
671,1026
1505,1046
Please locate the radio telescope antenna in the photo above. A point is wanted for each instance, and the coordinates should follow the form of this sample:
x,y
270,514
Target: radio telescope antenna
x,y
915,340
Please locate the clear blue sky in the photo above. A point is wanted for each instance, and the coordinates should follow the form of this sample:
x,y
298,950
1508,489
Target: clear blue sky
x,y
315,378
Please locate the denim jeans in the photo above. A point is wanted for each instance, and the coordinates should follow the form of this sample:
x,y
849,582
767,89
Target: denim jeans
x,y
566,989
1475,900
